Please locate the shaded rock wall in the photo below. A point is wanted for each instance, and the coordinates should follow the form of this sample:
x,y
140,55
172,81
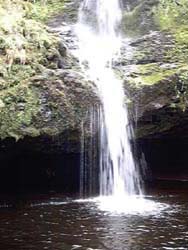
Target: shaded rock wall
x,y
166,157
57,102
25,167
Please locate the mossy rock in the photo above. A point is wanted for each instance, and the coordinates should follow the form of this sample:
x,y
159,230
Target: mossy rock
x,y
153,73
139,20
171,16
159,95
38,96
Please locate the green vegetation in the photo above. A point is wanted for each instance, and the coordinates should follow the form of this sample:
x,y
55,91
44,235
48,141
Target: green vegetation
x,y
172,16
153,73
26,50
139,20
42,10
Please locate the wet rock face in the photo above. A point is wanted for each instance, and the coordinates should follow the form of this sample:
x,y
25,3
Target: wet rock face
x,y
56,99
154,47
155,80
51,110
138,17
41,142
130,5
69,15
64,102
158,101
61,97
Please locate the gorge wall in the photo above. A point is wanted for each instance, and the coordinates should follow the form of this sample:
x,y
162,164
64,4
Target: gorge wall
x,y
42,110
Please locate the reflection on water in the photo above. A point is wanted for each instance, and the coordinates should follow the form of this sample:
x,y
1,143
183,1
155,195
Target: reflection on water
x,y
61,224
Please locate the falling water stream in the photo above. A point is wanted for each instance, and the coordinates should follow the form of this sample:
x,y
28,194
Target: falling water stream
x,y
99,43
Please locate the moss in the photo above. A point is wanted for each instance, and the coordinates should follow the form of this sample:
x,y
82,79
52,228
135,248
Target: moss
x,y
172,16
43,11
38,10
164,82
20,107
27,49
25,42
139,20
153,73
50,131
156,77
151,129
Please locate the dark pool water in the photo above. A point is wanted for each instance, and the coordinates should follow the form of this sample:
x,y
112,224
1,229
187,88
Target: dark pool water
x,y
58,223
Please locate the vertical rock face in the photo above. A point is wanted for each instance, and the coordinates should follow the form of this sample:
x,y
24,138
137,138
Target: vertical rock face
x,y
55,96
129,5
138,17
44,112
155,73
41,116
155,77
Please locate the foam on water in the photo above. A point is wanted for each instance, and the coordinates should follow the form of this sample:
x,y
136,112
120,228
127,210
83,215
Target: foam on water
x,y
129,205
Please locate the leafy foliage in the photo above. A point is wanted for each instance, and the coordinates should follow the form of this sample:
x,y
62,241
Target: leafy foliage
x,y
172,16
172,13
25,48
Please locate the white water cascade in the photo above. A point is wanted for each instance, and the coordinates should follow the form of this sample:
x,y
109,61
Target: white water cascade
x,y
99,43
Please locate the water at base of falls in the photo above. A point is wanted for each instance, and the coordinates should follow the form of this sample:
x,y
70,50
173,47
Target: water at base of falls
x,y
68,224
99,43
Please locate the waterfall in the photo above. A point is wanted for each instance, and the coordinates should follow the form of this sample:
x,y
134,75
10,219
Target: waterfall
x,y
99,43
89,154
